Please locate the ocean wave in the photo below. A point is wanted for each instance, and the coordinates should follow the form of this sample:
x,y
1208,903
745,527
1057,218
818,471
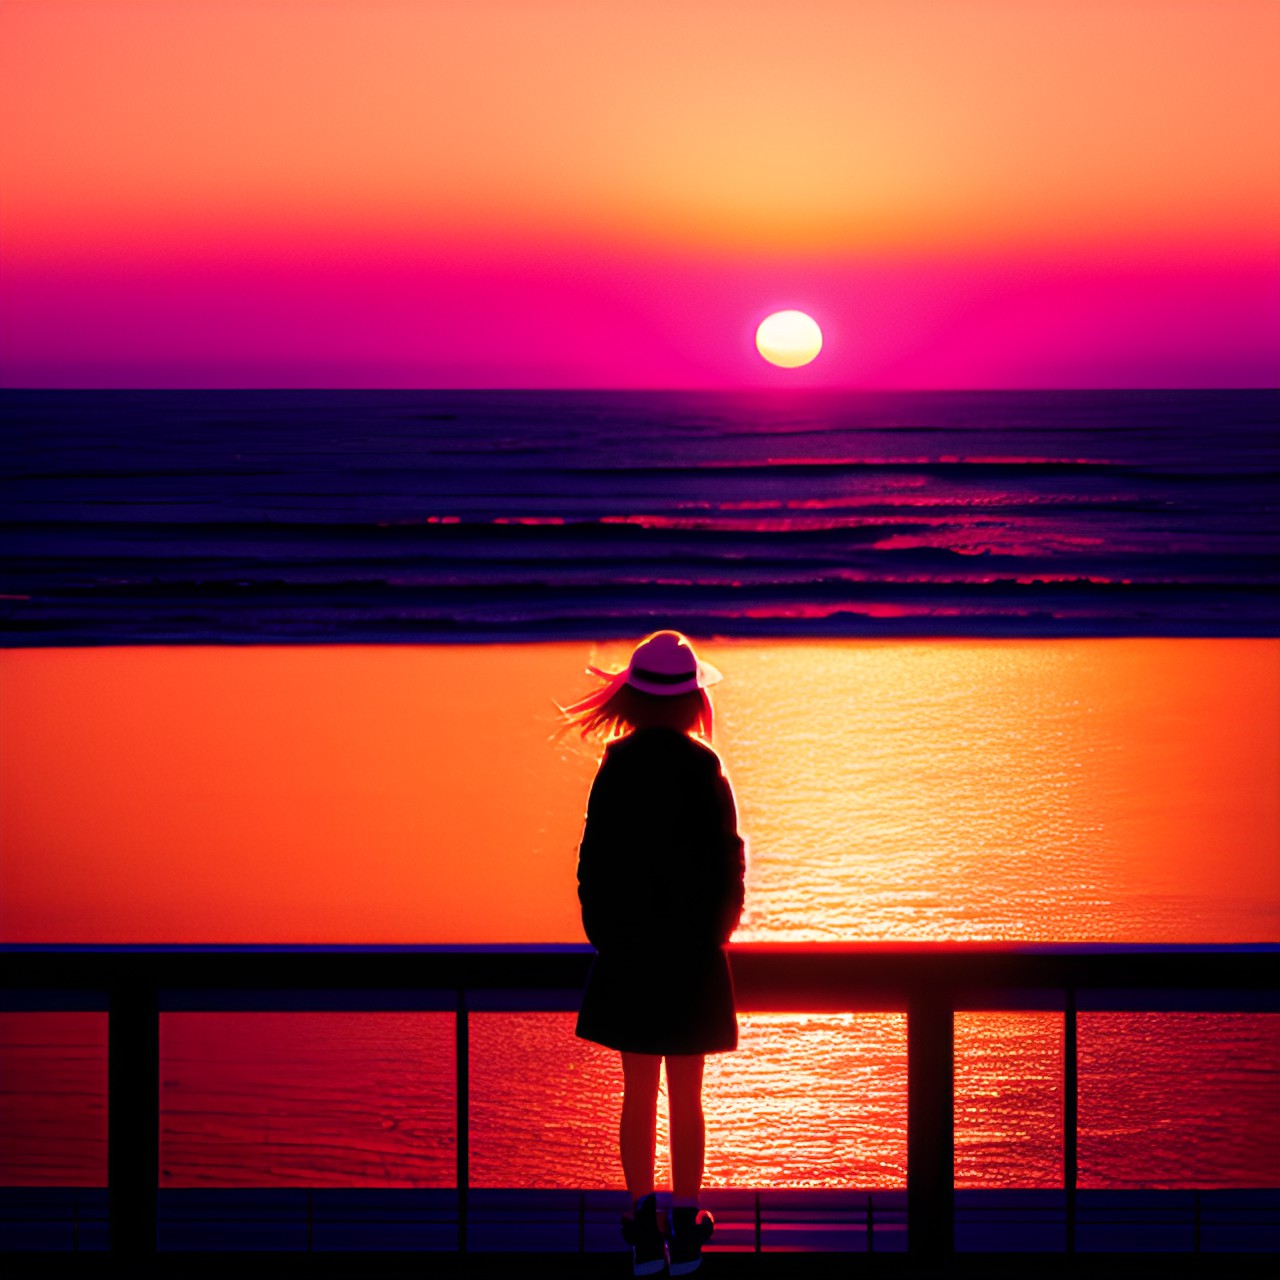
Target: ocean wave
x,y
318,515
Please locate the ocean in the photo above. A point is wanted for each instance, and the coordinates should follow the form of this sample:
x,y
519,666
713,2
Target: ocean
x,y
998,665
234,517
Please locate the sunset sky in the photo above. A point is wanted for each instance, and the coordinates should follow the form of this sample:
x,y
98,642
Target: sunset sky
x,y
583,193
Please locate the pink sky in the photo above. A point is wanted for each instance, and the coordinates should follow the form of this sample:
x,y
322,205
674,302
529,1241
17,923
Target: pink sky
x,y
568,193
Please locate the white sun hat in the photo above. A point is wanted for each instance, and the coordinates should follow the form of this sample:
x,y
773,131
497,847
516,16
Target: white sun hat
x,y
664,664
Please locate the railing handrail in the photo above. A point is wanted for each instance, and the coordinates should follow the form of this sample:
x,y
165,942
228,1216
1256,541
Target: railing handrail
x,y
767,975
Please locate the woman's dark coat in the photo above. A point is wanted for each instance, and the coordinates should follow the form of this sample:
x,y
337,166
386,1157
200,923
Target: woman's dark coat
x,y
660,879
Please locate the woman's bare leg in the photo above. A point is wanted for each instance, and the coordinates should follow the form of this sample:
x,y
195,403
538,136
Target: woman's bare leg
x,y
684,1098
636,1133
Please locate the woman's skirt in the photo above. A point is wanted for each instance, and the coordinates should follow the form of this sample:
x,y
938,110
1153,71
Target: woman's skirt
x,y
660,1002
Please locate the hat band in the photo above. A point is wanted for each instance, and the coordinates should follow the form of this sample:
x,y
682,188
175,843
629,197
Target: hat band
x,y
664,677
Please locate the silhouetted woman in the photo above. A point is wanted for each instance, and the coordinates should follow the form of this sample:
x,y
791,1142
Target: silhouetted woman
x,y
660,879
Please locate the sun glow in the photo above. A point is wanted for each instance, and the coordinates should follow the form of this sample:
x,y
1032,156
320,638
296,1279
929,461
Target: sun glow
x,y
789,339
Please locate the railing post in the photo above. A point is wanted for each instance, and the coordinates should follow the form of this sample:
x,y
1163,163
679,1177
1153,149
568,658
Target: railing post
x,y
133,1120
1070,1114
930,1125
462,1122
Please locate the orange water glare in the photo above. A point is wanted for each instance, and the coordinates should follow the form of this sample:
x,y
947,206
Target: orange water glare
x,y
807,1100
1008,1097
953,789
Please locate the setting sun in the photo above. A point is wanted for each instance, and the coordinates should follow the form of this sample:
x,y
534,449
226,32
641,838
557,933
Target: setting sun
x,y
789,339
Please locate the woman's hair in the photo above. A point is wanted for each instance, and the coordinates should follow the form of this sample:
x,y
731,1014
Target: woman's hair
x,y
628,708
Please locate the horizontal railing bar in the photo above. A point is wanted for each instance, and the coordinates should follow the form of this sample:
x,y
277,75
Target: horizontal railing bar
x,y
1048,999
54,999
760,971
1203,1000
567,999
517,999
307,1000
767,977
1120,999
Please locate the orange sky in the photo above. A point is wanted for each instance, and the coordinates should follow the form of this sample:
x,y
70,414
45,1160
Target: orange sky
x,y
908,126
206,188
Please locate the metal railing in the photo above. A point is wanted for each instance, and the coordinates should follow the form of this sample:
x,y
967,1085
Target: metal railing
x,y
929,982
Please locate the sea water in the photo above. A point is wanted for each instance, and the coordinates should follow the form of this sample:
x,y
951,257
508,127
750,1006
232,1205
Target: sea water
x,y
267,516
